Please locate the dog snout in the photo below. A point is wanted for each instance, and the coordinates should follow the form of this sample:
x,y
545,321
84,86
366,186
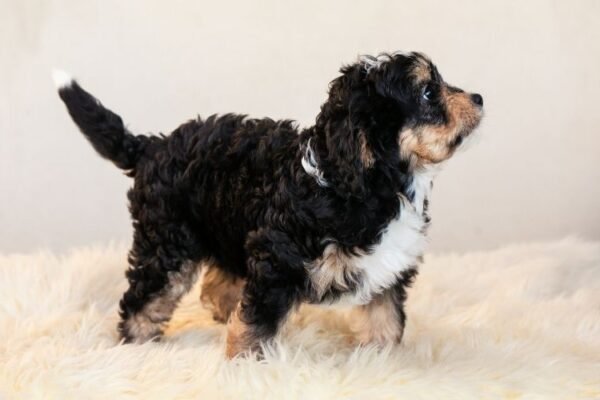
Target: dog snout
x,y
477,99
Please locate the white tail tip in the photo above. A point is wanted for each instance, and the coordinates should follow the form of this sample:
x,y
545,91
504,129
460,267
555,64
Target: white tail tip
x,y
61,79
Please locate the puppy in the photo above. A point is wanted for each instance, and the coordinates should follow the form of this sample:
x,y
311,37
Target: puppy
x,y
331,214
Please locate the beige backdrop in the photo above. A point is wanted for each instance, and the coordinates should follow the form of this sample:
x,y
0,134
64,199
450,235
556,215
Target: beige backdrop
x,y
533,173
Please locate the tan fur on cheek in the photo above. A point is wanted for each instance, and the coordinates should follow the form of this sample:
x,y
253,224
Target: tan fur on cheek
x,y
427,144
409,142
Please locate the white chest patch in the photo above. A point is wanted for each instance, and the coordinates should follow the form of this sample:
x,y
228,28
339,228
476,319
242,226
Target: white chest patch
x,y
401,246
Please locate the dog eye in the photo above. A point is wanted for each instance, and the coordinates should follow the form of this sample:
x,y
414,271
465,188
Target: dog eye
x,y
428,93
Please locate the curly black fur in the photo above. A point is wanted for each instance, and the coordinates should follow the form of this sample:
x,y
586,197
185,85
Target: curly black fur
x,y
233,190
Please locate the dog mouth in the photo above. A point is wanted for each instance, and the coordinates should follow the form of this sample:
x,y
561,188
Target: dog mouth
x,y
466,131
458,140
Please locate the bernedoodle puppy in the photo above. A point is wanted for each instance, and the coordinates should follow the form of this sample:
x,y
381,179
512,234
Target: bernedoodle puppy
x,y
332,214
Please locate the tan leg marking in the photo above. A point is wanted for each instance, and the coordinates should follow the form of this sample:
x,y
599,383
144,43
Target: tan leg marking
x,y
221,292
378,322
239,336
150,322
333,269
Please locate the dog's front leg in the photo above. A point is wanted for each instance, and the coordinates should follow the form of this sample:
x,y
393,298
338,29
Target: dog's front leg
x,y
273,287
382,321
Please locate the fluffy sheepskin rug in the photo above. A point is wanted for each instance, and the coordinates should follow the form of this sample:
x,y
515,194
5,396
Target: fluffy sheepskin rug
x,y
522,322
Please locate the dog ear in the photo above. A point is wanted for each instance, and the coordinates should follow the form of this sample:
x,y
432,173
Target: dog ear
x,y
389,79
342,146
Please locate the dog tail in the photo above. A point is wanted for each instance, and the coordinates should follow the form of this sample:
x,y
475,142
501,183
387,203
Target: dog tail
x,y
102,128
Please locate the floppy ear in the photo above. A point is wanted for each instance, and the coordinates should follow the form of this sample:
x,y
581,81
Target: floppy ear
x,y
342,146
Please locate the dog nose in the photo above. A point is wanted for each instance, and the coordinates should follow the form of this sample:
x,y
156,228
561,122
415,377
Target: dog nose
x,y
477,99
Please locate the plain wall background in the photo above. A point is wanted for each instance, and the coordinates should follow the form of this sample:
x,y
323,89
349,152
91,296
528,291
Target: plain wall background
x,y
532,174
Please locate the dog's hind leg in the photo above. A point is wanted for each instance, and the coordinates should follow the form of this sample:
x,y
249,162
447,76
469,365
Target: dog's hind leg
x,y
161,271
221,292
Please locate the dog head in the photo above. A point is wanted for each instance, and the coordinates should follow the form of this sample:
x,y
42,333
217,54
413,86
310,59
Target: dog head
x,y
388,110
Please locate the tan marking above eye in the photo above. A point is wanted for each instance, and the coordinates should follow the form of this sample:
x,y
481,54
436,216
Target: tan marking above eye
x,y
421,73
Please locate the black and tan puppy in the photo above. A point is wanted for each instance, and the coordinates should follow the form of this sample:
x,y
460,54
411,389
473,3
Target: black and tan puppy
x,y
335,213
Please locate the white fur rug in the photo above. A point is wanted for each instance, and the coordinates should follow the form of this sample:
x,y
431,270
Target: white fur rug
x,y
517,323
